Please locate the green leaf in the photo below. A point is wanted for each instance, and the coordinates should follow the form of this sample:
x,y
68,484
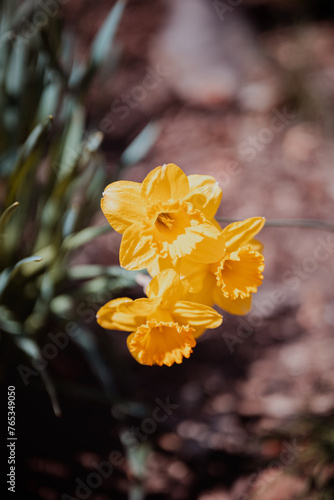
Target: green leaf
x,y
22,165
137,457
88,345
97,184
36,321
137,492
16,71
96,286
33,258
141,145
92,271
23,10
62,305
8,274
70,219
105,36
93,141
103,279
84,236
49,100
46,254
72,145
47,287
7,215
8,323
33,140
31,348
102,43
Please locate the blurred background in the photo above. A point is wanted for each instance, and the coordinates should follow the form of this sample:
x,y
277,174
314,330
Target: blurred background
x,y
95,91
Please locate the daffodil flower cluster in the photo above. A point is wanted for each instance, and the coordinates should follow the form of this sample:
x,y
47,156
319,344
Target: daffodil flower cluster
x,y
168,227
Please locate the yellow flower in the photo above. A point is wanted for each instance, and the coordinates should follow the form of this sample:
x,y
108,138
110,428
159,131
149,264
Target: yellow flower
x,y
224,270
166,215
163,327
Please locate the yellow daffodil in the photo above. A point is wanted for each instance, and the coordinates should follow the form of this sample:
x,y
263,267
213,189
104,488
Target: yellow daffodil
x,y
164,328
165,216
224,270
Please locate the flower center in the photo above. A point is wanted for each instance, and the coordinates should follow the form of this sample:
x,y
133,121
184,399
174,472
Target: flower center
x,y
240,273
164,222
170,222
174,228
161,343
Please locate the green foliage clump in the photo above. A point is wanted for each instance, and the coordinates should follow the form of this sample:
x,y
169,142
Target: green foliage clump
x,y
51,178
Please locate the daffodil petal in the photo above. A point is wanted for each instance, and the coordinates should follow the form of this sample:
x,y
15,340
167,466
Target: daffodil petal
x,y
194,274
205,194
161,315
210,249
136,250
162,264
198,316
193,243
108,317
239,306
240,233
140,307
256,245
216,223
184,244
165,183
122,204
204,293
166,285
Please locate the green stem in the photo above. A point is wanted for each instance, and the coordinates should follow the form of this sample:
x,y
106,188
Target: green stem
x,y
53,58
301,223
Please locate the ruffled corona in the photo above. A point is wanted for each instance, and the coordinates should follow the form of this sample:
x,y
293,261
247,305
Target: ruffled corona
x,y
161,343
240,273
175,228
